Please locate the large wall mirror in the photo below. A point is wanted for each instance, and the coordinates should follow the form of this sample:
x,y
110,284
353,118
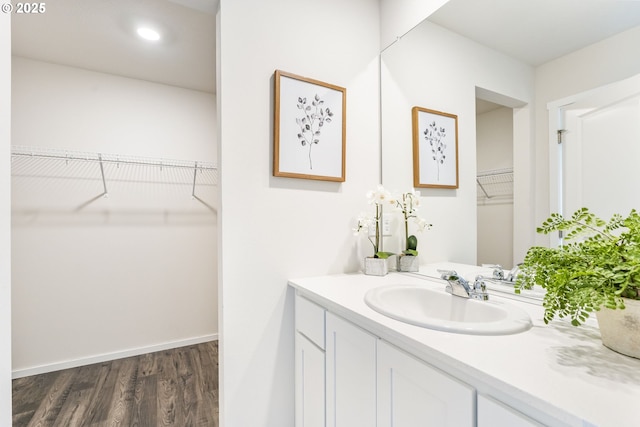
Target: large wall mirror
x,y
495,64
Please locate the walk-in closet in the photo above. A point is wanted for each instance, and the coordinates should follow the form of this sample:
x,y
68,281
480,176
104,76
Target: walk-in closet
x,y
115,184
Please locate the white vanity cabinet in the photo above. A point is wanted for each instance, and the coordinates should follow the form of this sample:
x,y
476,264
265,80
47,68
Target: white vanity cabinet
x,y
350,374
413,393
335,364
346,377
309,363
360,368
492,413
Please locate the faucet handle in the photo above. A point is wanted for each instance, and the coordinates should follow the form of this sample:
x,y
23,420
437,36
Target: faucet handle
x,y
447,274
498,271
479,283
480,289
513,273
491,266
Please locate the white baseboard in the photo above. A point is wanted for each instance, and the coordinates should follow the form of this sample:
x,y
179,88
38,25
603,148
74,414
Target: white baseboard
x,y
42,369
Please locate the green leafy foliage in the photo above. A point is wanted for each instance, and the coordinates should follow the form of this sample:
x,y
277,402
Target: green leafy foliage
x,y
383,255
412,243
599,266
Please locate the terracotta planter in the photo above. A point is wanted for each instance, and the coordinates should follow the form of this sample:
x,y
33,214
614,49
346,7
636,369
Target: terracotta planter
x,y
375,266
620,329
408,263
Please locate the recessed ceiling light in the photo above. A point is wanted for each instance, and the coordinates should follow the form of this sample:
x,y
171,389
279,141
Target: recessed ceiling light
x,y
148,34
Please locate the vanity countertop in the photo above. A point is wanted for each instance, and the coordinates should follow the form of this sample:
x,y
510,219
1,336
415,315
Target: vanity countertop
x,y
557,369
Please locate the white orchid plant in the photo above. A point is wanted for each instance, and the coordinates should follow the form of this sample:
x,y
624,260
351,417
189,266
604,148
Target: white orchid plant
x,y
408,204
379,198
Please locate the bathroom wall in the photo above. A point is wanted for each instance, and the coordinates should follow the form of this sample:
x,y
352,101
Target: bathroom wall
x,y
272,228
400,16
494,142
608,61
127,274
5,219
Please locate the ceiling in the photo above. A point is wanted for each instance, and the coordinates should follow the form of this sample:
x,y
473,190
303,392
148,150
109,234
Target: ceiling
x,y
100,35
538,31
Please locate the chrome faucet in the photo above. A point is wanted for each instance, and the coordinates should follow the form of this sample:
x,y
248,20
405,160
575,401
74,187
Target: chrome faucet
x,y
513,273
498,271
458,286
498,275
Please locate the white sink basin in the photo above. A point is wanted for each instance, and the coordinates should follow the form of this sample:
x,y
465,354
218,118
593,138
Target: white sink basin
x,y
422,306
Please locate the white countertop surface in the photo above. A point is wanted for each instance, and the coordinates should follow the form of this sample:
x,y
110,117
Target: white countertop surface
x,y
556,369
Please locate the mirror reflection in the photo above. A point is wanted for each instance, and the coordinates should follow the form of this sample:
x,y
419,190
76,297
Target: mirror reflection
x,y
497,72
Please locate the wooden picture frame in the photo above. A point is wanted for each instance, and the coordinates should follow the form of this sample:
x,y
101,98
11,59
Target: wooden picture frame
x,y
309,128
435,149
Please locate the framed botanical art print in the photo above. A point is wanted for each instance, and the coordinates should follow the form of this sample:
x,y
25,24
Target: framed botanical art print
x,y
435,149
309,128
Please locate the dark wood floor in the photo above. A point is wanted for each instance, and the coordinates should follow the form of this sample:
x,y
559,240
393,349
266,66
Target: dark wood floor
x,y
177,387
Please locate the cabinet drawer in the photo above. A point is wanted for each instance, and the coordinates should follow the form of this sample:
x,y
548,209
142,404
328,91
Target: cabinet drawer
x,y
310,320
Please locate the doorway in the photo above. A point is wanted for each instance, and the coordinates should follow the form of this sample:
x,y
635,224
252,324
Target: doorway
x,y
96,278
494,162
594,150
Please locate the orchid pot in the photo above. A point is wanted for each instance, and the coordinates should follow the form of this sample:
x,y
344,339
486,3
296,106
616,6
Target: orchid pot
x,y
408,204
376,266
408,263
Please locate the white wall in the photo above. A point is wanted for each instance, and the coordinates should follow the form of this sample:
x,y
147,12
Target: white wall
x,y
5,219
494,133
84,110
434,68
608,61
274,229
400,16
128,274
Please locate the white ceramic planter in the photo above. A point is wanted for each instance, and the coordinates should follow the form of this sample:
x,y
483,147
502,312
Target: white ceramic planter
x,y
620,329
408,263
375,266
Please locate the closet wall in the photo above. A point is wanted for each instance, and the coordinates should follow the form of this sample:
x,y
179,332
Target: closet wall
x,y
494,139
96,278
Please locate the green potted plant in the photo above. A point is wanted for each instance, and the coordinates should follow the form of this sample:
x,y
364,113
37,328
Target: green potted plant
x,y
598,270
377,264
408,204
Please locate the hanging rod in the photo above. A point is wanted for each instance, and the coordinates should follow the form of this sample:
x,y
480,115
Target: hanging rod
x,y
47,153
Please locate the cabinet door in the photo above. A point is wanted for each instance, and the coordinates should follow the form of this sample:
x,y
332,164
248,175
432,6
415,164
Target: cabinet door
x,y
351,375
412,393
492,413
310,392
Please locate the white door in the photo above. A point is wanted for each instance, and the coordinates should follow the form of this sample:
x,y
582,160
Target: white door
x,y
599,157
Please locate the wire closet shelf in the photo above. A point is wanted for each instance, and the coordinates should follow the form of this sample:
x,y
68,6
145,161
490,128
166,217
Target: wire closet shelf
x,y
110,170
495,186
